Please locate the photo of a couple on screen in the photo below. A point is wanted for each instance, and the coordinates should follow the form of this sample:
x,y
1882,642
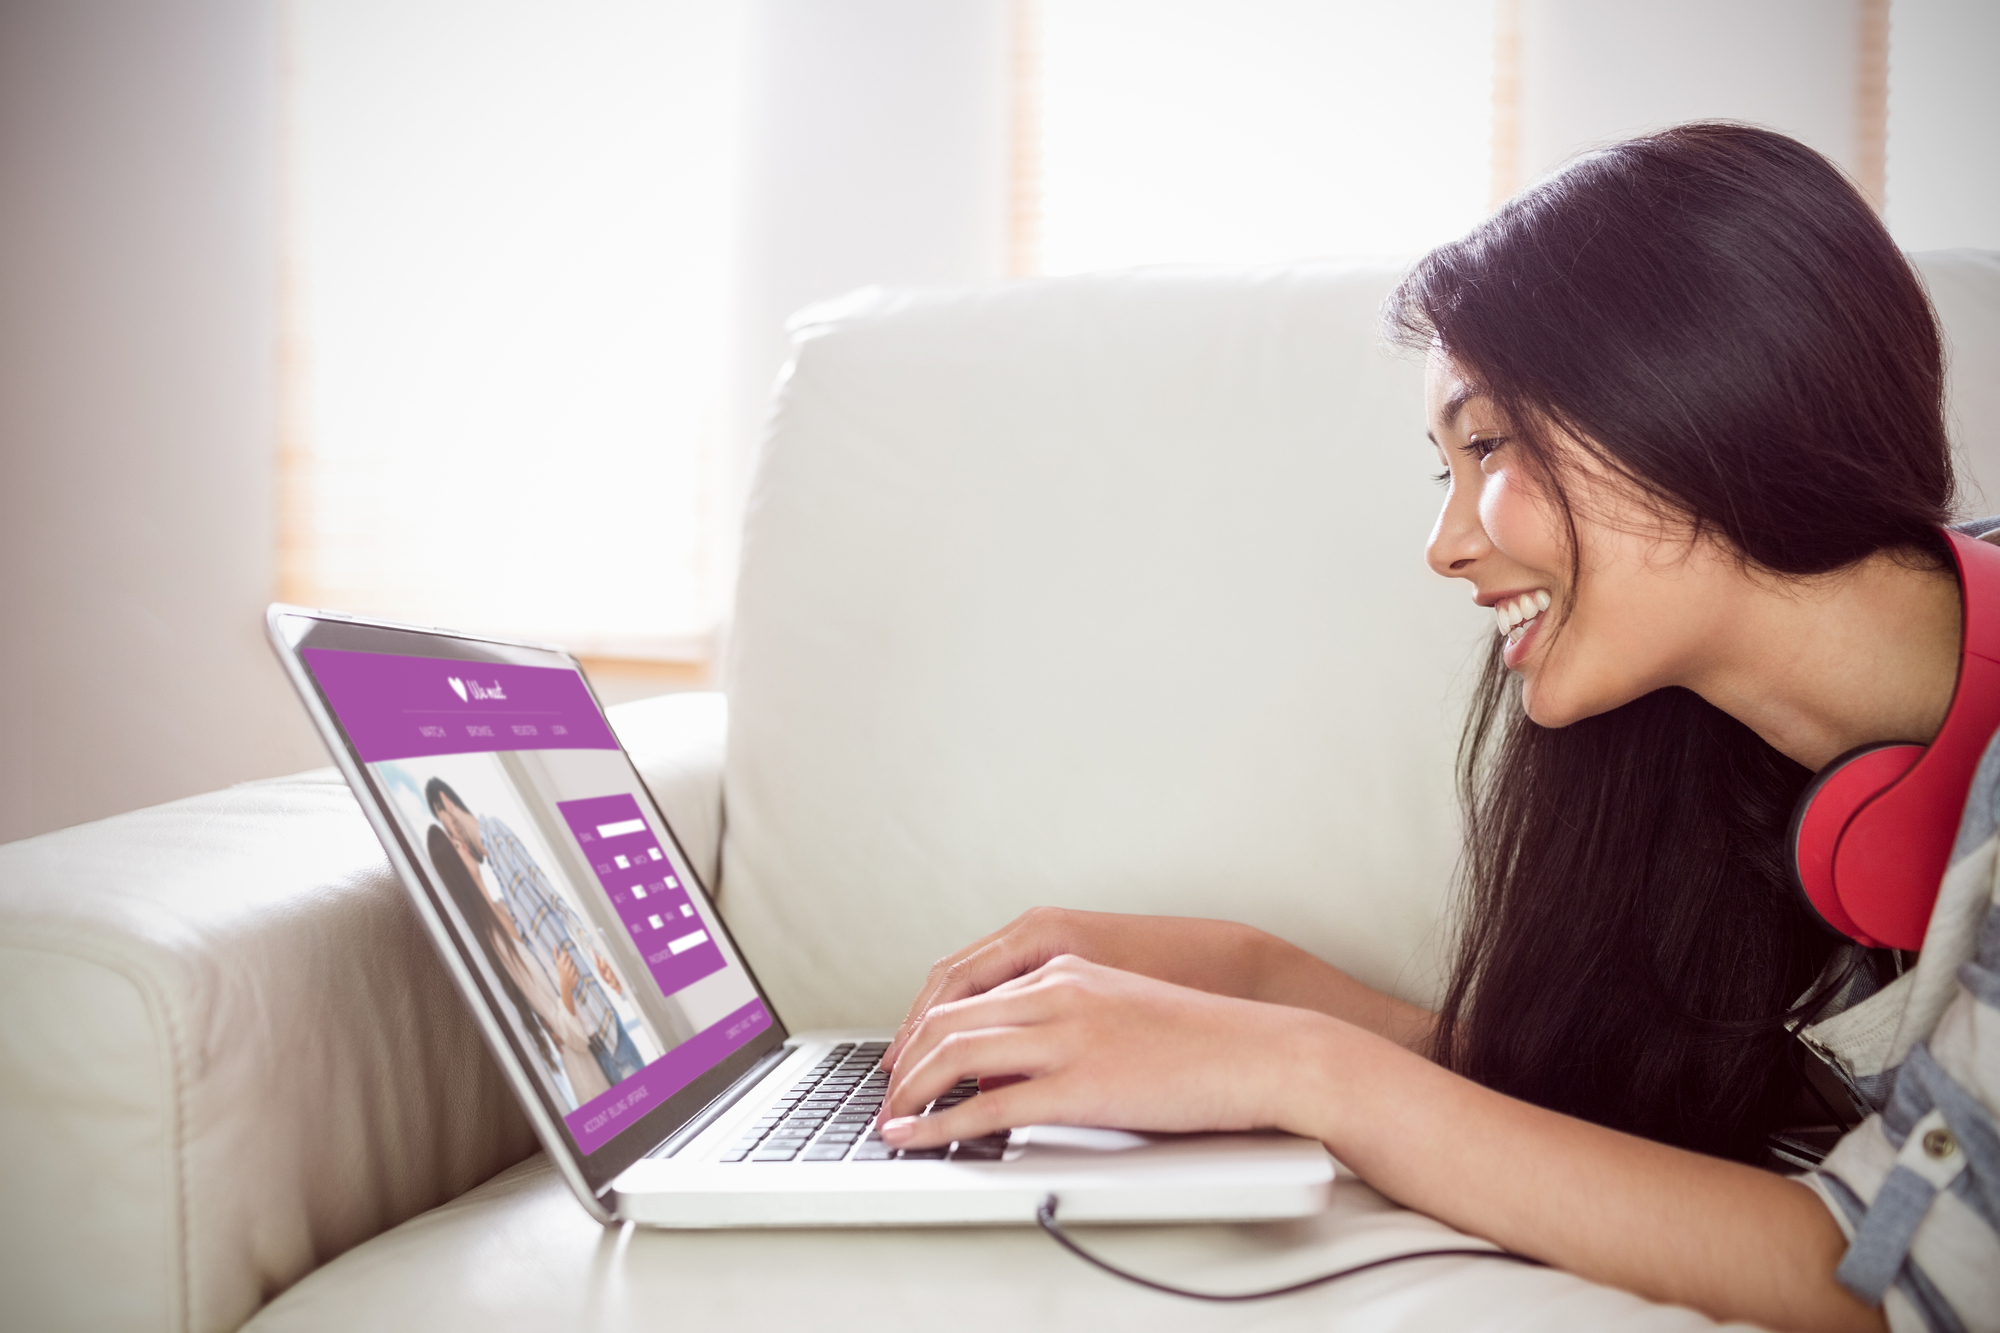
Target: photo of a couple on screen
x,y
573,1005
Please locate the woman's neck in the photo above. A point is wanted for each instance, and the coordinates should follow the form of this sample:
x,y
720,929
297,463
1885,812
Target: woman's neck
x,y
1820,666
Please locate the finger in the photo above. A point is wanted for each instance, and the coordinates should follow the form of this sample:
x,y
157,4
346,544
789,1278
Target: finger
x,y
940,986
932,980
1007,959
1013,1009
990,1051
1032,1102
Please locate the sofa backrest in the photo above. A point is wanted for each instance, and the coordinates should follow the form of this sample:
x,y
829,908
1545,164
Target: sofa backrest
x,y
1109,592
1104,591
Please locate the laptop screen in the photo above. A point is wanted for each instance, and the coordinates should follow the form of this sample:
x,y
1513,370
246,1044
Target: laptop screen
x,y
605,960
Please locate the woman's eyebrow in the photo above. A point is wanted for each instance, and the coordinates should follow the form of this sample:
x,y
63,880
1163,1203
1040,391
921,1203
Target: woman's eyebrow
x,y
1452,407
1456,403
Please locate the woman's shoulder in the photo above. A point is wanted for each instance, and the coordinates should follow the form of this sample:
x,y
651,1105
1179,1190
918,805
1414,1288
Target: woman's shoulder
x,y
1985,529
1924,1052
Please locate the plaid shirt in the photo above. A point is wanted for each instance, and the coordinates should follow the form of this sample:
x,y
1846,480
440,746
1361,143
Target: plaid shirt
x,y
547,924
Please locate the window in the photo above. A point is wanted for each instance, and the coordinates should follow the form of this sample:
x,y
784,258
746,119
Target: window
x,y
507,266
1251,131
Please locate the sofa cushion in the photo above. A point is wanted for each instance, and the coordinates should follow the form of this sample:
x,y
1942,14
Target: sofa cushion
x,y
1105,592
519,1254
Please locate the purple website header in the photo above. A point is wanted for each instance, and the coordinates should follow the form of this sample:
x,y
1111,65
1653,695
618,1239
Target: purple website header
x,y
396,707
599,1120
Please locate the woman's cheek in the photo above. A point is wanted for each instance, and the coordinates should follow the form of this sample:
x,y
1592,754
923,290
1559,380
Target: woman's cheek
x,y
1503,512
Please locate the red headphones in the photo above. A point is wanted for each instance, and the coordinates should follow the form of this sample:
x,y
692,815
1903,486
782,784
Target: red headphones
x,y
1872,835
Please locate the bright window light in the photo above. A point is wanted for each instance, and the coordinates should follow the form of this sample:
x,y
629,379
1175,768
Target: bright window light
x,y
510,226
1252,131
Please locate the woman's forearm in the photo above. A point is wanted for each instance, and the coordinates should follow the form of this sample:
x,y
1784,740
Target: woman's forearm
x,y
1675,1226
1278,972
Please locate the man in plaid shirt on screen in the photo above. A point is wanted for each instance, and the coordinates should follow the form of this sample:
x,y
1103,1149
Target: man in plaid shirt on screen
x,y
546,925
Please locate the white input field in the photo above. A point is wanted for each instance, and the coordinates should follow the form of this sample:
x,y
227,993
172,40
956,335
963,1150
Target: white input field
x,y
621,828
686,942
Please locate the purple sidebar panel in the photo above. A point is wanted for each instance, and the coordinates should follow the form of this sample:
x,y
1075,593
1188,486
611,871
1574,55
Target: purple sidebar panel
x,y
395,707
643,884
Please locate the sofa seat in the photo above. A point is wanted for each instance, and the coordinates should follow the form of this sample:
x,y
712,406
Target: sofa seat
x,y
517,1253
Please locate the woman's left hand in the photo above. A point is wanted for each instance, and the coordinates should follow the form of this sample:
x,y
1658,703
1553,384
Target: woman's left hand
x,y
1087,1044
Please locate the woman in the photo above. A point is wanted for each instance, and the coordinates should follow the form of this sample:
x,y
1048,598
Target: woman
x,y
1688,398
547,1006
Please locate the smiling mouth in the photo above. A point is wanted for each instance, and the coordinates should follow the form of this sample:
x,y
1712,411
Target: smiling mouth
x,y
1516,614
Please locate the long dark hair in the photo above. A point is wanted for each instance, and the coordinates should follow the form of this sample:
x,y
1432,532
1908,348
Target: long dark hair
x,y
1717,315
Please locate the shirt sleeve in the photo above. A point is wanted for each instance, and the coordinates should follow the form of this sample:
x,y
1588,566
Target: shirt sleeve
x,y
1916,1187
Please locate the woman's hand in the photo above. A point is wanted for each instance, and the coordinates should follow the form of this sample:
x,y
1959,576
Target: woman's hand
x,y
1207,955
1087,1044
566,979
1221,957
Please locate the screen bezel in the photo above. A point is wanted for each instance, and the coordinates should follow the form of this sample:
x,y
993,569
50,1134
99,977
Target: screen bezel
x,y
293,629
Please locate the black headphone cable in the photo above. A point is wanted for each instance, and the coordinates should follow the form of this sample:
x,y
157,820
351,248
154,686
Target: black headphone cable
x,y
1045,1215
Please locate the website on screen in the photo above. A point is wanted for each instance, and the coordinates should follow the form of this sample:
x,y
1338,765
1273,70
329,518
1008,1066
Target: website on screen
x,y
510,786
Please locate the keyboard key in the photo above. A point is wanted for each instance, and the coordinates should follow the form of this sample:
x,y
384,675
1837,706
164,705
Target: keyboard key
x,y
774,1154
819,1154
979,1150
873,1152
925,1154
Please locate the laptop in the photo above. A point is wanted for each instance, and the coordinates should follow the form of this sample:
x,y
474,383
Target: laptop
x,y
654,1068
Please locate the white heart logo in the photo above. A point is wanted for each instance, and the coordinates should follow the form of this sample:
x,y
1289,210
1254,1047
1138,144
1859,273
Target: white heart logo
x,y
457,686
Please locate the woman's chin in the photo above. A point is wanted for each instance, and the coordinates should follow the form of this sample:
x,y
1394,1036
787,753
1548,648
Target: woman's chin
x,y
1548,704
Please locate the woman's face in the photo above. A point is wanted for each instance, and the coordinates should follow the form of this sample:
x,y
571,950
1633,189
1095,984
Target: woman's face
x,y
500,914
1644,606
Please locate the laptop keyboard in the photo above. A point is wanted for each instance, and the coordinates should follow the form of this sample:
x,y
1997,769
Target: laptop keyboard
x,y
829,1116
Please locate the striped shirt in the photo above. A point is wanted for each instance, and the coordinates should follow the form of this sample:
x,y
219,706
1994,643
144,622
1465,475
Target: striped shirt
x,y
547,925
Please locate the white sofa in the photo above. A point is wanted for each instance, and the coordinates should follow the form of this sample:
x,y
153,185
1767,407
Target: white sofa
x,y
1103,591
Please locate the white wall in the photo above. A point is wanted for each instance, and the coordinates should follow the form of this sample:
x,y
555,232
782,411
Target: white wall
x,y
1593,71
1944,123
137,351
877,152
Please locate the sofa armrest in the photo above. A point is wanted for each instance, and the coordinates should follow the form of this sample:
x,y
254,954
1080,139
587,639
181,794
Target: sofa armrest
x,y
230,1054
677,741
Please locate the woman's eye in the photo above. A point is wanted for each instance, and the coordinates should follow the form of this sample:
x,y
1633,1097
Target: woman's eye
x,y
1484,446
1443,478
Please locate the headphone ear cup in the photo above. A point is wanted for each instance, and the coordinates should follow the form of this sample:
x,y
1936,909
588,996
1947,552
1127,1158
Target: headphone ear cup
x,y
1837,793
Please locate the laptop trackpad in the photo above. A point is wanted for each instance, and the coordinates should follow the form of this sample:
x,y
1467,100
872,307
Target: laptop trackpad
x,y
1075,1139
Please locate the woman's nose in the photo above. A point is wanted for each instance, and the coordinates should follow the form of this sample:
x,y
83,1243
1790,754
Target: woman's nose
x,y
1458,539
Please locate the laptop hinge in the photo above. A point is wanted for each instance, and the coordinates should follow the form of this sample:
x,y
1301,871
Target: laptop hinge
x,y
725,1099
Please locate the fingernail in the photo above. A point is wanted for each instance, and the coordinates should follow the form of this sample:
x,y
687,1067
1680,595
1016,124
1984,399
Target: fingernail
x,y
898,1131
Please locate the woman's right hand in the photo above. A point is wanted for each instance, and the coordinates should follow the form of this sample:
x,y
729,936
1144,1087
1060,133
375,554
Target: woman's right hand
x,y
1215,956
